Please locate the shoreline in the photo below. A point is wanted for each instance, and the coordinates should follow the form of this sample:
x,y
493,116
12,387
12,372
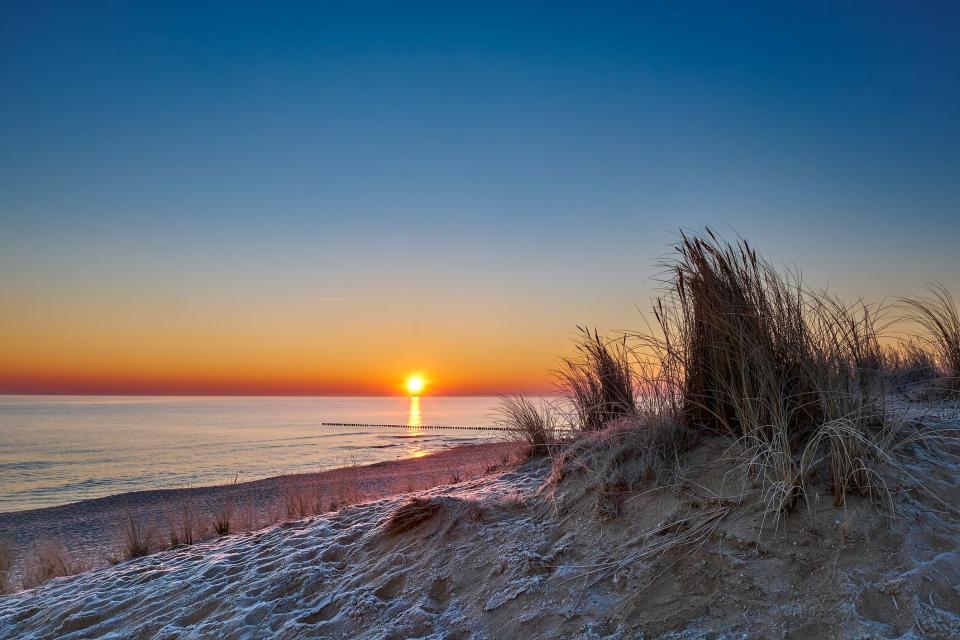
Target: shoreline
x,y
89,530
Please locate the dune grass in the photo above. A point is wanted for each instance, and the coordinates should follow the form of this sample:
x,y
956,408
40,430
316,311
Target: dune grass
x,y
48,561
795,377
757,350
910,367
6,564
136,539
223,518
534,424
937,314
794,374
347,491
299,503
184,524
599,380
248,518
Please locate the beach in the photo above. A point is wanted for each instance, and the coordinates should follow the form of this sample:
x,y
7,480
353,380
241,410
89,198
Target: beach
x,y
90,530
520,552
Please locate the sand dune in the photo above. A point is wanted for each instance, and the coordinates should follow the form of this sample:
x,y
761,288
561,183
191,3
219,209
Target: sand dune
x,y
500,557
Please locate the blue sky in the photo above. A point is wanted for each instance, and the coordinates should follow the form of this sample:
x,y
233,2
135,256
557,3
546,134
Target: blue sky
x,y
422,156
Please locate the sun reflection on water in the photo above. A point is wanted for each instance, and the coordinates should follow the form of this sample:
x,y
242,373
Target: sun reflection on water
x,y
413,419
414,422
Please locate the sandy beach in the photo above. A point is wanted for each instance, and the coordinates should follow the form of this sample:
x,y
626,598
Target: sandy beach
x,y
89,530
519,553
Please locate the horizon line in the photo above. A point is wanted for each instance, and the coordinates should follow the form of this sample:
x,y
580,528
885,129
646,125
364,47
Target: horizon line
x,y
269,395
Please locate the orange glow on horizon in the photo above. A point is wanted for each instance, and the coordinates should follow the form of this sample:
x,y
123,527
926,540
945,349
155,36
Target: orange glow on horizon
x,y
52,342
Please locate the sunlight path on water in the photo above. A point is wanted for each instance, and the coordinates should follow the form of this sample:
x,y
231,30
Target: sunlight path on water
x,y
413,421
56,450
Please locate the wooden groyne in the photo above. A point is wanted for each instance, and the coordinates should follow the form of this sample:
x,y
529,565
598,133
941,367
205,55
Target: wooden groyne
x,y
417,426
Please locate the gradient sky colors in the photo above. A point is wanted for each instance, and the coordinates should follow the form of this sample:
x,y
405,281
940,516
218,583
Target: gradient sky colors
x,y
324,197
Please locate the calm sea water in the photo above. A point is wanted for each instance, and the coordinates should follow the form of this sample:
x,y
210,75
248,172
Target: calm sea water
x,y
57,450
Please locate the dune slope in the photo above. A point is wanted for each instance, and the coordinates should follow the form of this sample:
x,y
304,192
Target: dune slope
x,y
508,556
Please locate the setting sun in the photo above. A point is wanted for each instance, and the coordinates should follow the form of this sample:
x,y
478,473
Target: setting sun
x,y
415,385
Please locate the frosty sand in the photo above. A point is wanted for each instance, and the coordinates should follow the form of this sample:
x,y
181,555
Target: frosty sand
x,y
520,554
90,530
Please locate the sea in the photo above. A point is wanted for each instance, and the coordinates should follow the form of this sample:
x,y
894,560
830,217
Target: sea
x,y
57,450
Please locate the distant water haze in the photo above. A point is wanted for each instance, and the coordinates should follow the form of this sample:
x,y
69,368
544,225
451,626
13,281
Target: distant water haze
x,y
60,449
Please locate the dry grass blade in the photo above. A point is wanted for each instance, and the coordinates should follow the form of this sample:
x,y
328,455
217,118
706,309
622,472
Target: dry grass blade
x,y
347,493
248,518
766,455
690,531
621,457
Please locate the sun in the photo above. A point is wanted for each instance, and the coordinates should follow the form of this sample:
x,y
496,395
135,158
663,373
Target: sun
x,y
415,384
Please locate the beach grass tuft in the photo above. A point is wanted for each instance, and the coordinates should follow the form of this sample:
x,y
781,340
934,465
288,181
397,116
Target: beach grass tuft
x,y
6,564
48,561
248,518
136,539
223,518
412,514
911,368
937,314
534,425
793,374
184,528
299,503
598,380
796,378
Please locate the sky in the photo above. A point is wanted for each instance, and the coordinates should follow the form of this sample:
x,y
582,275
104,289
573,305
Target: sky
x,y
322,198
